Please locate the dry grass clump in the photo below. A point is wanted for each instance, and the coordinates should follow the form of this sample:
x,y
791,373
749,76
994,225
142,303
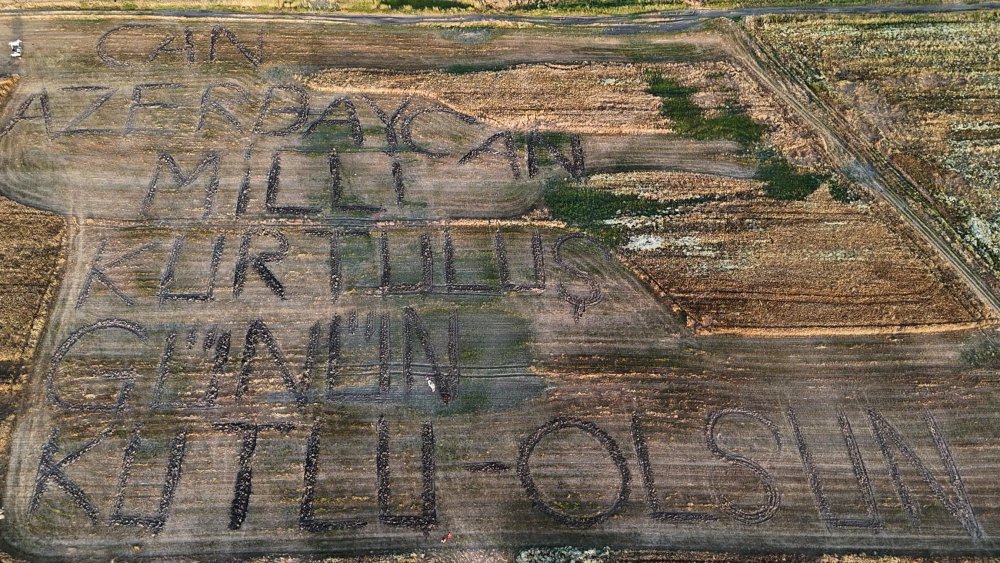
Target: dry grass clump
x,y
32,251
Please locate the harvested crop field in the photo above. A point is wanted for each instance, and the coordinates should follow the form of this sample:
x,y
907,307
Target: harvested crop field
x,y
734,259
32,246
346,288
923,90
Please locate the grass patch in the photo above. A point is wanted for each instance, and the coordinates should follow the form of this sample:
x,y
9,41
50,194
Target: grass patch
x,y
733,124
784,182
689,120
675,100
338,136
589,209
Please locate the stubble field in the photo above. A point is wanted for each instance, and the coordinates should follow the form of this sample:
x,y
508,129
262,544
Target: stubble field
x,y
342,288
923,90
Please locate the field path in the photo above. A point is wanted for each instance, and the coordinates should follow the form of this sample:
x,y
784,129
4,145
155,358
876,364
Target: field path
x,y
678,20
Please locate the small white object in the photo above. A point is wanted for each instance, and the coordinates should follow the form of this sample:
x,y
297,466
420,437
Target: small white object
x,y
16,48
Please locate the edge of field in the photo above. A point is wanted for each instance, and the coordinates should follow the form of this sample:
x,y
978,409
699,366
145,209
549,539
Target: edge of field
x,y
535,8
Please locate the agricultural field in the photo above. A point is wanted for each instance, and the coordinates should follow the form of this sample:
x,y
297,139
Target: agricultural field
x,y
316,287
708,232
33,246
924,91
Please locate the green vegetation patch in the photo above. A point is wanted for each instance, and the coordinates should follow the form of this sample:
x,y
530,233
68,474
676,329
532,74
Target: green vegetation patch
x,y
590,209
841,193
689,120
783,181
